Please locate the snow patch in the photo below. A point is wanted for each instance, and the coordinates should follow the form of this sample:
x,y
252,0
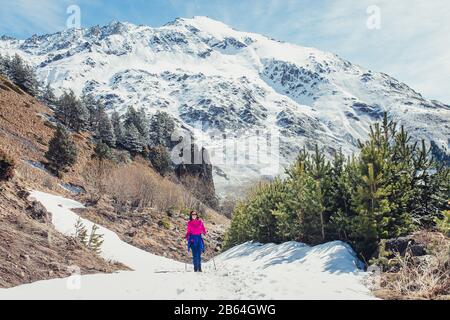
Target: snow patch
x,y
249,271
71,188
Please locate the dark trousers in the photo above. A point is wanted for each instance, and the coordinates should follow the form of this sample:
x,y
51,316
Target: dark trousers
x,y
197,257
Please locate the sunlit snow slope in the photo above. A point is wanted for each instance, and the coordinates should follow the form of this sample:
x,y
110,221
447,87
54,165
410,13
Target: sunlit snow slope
x,y
250,271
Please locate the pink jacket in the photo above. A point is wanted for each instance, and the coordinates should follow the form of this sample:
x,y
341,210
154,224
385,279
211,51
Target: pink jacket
x,y
195,227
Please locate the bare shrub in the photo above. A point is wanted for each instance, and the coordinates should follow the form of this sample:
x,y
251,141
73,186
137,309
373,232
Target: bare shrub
x,y
50,183
37,176
227,206
95,174
166,199
190,201
7,166
26,172
135,186
426,277
147,192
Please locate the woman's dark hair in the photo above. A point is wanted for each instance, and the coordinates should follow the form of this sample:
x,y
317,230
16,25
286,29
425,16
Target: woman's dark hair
x,y
190,215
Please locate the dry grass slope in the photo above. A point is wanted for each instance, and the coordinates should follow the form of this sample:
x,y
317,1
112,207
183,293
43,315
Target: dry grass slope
x,y
419,278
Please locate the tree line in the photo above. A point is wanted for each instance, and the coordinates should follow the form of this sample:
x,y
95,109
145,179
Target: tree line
x,y
391,188
134,131
20,73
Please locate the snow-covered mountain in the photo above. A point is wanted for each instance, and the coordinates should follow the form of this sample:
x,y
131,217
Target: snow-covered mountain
x,y
203,72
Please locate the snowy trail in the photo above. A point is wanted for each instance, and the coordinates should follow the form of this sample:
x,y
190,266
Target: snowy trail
x,y
249,271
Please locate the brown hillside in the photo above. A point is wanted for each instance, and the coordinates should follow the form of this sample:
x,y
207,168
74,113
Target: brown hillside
x,y
144,208
31,248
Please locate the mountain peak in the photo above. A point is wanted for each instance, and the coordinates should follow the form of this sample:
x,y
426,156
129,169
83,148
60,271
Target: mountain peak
x,y
197,19
203,23
119,26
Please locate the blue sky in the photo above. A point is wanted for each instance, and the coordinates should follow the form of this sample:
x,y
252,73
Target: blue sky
x,y
412,43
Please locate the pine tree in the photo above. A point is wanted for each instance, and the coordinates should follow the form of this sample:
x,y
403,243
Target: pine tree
x,y
7,166
130,117
401,167
340,185
238,232
255,218
95,240
93,109
48,97
381,196
320,170
299,214
105,131
367,203
345,176
62,111
160,159
23,75
142,124
443,224
6,62
117,128
262,207
62,152
430,187
132,140
72,112
4,66
103,152
81,232
161,128
139,120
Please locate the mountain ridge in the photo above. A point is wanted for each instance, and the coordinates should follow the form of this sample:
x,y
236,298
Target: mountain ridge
x,y
209,76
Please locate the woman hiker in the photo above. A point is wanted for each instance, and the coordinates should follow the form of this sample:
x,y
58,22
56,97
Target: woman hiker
x,y
195,229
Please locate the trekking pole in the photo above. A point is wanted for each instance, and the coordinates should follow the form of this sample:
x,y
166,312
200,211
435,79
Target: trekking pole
x,y
185,263
214,262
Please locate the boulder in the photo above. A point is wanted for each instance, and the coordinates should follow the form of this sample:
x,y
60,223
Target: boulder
x,y
402,245
38,212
